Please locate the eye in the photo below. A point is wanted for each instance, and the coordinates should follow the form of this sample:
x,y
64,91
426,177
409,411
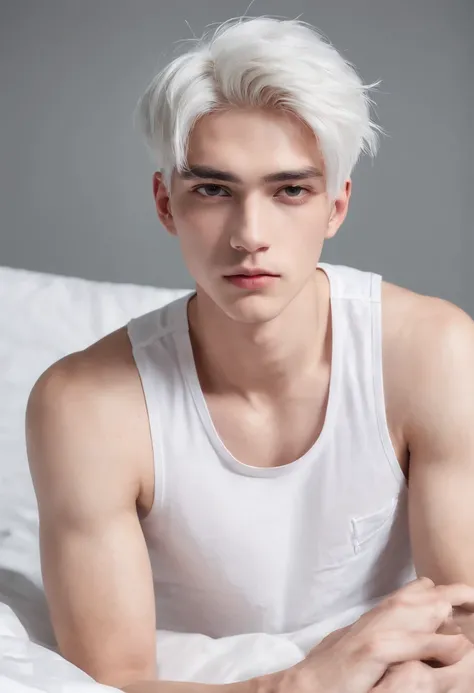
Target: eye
x,y
294,188
210,188
213,190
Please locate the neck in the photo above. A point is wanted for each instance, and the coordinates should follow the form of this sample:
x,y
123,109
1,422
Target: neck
x,y
266,359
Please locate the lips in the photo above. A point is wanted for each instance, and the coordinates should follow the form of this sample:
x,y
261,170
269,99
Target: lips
x,y
253,273
251,281
250,276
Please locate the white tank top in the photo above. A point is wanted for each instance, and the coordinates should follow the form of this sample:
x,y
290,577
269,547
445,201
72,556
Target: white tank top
x,y
240,549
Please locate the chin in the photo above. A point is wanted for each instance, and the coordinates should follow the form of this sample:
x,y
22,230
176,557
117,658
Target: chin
x,y
252,309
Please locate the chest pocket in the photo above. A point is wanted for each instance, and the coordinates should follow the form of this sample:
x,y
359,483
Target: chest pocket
x,y
374,528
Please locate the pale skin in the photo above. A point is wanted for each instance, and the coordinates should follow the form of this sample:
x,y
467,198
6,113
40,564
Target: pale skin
x,y
89,446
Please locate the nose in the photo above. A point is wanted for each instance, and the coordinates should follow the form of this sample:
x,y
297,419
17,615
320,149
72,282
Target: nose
x,y
249,234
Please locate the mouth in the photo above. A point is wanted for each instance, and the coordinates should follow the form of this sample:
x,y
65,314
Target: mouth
x,y
252,273
252,280
251,276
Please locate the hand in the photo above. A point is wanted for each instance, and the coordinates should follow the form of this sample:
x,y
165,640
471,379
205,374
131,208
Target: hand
x,y
412,677
400,629
416,676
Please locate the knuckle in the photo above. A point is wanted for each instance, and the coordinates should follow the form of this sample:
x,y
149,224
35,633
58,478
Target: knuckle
x,y
394,601
454,589
440,588
372,647
441,604
442,593
366,648
426,582
442,607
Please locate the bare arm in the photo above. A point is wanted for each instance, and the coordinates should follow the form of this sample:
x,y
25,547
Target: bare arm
x,y
94,559
94,562
441,440
263,684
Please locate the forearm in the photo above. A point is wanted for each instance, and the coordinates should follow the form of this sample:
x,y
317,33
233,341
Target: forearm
x,y
279,682
181,687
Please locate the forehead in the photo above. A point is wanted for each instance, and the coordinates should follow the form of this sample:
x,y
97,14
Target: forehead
x,y
254,140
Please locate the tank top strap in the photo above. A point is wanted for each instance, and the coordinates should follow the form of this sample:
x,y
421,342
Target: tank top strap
x,y
351,283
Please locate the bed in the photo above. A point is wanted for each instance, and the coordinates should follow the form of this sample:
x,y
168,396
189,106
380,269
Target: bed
x,y
44,317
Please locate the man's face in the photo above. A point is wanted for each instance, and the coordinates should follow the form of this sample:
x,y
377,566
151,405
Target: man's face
x,y
227,227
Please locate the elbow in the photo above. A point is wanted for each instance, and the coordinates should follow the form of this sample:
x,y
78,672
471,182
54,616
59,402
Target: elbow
x,y
137,681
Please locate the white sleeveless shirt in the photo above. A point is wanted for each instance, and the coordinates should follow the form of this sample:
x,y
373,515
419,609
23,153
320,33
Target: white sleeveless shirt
x,y
240,549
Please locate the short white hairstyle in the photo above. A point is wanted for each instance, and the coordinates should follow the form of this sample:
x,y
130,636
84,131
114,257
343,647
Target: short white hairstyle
x,y
261,62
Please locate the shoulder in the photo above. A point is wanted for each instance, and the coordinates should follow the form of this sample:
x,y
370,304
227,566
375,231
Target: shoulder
x,y
428,346
89,377
424,326
93,395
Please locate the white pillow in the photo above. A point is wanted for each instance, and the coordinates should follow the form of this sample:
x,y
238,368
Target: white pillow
x,y
44,317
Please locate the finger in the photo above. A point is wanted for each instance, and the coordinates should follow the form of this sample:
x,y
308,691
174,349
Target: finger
x,y
400,646
406,677
421,615
450,627
456,677
398,613
457,594
428,610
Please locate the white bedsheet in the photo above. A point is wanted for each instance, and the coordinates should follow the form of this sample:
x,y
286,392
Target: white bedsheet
x,y
43,317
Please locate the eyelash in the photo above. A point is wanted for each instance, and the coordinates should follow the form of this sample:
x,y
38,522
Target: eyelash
x,y
214,185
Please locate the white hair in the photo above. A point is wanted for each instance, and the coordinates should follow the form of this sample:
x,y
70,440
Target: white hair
x,y
261,62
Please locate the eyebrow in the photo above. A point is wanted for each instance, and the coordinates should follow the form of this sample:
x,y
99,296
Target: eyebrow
x,y
207,172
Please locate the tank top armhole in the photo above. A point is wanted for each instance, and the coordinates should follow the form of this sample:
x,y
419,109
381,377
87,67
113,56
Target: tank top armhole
x,y
151,398
377,378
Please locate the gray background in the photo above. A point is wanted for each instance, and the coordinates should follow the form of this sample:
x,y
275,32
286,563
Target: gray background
x,y
75,178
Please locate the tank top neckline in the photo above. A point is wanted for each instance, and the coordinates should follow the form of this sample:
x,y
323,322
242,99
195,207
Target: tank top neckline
x,y
190,375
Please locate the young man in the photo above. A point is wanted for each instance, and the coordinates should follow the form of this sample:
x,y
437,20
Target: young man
x,y
238,460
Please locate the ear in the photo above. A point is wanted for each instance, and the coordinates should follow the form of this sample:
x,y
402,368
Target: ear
x,y
162,203
339,208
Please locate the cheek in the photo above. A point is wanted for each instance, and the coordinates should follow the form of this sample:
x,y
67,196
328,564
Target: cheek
x,y
309,238
201,244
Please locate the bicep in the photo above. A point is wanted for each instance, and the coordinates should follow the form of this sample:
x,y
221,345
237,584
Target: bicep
x,y
95,565
441,479
100,595
441,519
